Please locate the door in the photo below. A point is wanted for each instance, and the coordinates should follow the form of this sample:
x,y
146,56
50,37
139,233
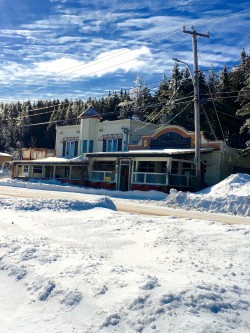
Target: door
x,y
124,178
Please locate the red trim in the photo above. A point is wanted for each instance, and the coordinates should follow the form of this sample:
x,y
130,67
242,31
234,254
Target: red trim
x,y
161,188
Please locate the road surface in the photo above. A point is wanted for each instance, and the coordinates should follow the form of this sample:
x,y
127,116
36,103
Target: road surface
x,y
125,205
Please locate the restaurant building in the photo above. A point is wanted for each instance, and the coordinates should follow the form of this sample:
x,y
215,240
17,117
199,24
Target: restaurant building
x,y
129,154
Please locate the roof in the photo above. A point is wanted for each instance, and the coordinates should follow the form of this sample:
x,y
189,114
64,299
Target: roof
x,y
5,154
90,113
83,159
55,160
148,153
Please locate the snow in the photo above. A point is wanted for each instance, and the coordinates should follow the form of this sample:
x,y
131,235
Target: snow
x,y
236,184
81,266
61,159
167,151
5,154
230,196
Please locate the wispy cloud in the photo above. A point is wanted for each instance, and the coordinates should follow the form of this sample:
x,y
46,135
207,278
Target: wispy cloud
x,y
69,69
75,42
105,63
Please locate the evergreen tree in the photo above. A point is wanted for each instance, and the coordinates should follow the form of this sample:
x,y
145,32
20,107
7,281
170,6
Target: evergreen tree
x,y
23,123
244,100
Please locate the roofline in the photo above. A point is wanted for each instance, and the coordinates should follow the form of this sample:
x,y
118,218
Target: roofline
x,y
36,162
149,153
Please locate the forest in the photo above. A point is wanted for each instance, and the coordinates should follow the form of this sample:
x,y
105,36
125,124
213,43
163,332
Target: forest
x,y
224,108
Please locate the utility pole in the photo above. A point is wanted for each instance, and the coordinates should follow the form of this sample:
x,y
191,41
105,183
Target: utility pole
x,y
197,161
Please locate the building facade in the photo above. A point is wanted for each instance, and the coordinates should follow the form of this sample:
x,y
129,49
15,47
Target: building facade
x,y
129,154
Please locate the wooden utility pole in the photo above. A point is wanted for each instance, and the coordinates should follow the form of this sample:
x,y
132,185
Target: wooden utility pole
x,y
197,161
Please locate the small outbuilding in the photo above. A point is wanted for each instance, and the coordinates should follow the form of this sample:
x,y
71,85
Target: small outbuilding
x,y
4,157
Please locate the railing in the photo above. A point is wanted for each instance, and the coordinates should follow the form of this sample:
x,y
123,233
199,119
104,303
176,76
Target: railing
x,y
162,179
150,178
181,180
102,176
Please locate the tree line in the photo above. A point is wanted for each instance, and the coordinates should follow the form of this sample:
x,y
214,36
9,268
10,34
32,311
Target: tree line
x,y
224,106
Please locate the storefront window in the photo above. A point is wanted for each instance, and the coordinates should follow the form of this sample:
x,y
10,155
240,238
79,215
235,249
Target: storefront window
x,y
188,169
38,169
174,169
146,166
104,166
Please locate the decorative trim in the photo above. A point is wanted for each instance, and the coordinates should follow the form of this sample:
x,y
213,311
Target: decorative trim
x,y
70,138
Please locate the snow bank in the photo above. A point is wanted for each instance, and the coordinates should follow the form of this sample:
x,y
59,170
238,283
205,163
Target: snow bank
x,y
237,185
231,196
55,185
55,204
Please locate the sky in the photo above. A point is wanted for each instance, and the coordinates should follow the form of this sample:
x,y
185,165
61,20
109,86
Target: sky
x,y
80,49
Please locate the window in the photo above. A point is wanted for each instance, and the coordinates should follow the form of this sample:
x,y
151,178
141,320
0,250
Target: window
x,y
87,146
188,169
48,171
70,148
76,148
91,146
25,168
103,171
144,166
84,146
66,172
112,145
37,171
104,166
175,167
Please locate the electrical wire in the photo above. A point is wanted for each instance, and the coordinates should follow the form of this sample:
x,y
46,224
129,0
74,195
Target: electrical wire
x,y
215,109
209,123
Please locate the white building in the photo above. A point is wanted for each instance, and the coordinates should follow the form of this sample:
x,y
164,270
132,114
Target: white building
x,y
129,154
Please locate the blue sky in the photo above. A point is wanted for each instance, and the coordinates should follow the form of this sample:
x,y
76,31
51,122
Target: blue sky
x,y
80,48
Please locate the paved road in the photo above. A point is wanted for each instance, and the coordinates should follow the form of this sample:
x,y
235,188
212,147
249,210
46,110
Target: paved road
x,y
125,205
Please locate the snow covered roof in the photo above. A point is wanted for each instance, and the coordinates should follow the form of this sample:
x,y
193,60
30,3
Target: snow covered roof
x,y
5,154
148,152
55,160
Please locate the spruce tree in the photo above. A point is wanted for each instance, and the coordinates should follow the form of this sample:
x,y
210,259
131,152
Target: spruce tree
x,y
244,100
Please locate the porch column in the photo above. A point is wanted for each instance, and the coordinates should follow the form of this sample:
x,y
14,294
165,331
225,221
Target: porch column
x,y
70,171
168,169
130,176
54,171
117,174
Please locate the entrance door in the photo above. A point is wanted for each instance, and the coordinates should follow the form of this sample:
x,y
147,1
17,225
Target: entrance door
x,y
124,177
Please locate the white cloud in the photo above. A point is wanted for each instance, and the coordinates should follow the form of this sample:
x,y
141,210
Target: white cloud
x,y
61,1
105,63
68,68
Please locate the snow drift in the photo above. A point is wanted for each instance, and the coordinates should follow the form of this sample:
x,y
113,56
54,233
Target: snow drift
x,y
231,196
56,204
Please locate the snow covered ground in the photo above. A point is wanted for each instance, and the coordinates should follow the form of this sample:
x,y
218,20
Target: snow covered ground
x,y
70,266
231,196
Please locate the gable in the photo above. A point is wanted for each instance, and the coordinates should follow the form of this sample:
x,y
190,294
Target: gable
x,y
170,140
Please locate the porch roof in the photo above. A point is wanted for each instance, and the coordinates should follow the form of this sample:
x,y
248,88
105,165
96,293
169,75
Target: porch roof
x,y
5,154
55,161
148,153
